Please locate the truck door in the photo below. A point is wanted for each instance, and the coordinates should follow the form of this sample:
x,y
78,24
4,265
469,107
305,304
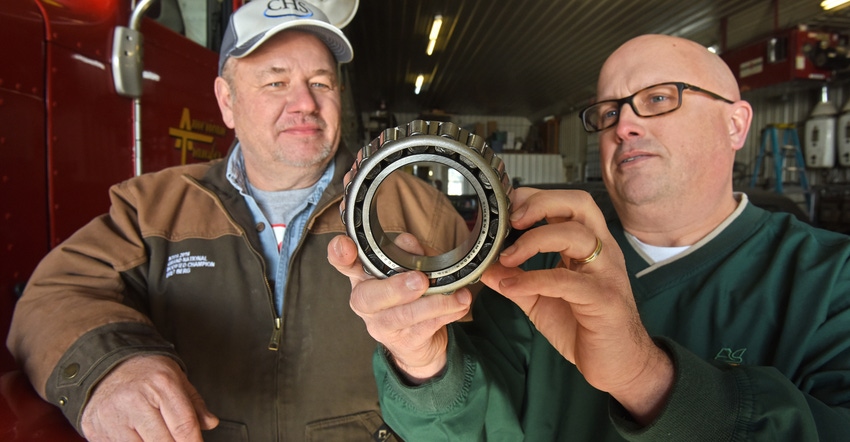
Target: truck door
x,y
67,133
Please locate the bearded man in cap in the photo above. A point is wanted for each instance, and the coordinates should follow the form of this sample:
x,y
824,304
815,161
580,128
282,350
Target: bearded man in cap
x,y
257,338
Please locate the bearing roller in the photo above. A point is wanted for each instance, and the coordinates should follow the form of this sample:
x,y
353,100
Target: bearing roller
x,y
429,142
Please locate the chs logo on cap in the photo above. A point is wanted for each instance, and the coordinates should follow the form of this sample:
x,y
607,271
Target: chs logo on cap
x,y
259,20
283,8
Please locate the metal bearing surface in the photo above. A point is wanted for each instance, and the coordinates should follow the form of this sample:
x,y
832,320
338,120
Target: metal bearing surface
x,y
436,142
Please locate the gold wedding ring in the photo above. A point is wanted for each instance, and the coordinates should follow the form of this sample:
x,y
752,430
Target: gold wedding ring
x,y
593,255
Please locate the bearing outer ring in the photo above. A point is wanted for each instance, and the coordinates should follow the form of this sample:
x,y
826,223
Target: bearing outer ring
x,y
423,141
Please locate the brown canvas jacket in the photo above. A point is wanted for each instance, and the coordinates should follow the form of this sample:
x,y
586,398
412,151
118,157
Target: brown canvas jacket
x,y
175,268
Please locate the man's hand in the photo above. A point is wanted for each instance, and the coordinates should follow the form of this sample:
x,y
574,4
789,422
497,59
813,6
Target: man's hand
x,y
411,326
587,311
146,398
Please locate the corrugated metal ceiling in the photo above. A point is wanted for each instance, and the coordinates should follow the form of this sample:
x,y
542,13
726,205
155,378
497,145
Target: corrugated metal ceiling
x,y
534,58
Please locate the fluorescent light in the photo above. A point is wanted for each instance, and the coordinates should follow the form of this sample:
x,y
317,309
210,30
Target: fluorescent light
x,y
438,22
831,4
435,32
419,80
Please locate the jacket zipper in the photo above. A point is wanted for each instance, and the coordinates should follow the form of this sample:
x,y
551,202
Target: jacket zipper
x,y
274,343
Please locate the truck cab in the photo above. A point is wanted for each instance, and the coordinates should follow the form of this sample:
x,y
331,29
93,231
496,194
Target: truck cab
x,y
92,92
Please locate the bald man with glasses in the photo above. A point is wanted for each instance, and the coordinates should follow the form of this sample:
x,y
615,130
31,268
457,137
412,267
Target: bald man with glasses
x,y
693,316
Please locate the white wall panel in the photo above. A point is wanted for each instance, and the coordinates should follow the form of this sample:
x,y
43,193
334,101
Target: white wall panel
x,y
531,168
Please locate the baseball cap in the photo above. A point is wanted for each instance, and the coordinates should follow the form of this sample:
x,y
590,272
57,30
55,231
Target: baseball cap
x,y
259,20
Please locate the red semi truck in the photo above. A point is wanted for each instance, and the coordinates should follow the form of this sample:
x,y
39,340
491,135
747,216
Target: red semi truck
x,y
92,92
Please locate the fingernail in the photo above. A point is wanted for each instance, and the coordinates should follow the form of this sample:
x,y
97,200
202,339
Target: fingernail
x,y
337,246
414,282
518,213
507,282
464,297
509,250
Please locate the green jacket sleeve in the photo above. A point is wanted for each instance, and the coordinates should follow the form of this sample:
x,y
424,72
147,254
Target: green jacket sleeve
x,y
470,401
719,402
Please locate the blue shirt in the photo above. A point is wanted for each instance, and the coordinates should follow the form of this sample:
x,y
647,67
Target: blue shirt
x,y
277,262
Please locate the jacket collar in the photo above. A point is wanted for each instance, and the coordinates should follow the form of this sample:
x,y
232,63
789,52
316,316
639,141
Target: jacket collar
x,y
216,180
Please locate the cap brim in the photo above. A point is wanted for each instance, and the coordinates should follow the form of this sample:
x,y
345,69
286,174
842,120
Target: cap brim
x,y
333,38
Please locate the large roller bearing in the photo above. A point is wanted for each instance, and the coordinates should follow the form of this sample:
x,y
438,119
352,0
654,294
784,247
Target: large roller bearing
x,y
418,142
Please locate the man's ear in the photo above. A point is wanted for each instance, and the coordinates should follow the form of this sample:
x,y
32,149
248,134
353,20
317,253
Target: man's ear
x,y
224,96
739,123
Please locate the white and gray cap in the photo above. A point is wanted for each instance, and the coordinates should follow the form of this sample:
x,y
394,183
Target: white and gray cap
x,y
259,20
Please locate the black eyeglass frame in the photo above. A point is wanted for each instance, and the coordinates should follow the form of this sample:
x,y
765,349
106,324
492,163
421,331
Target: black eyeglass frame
x,y
681,86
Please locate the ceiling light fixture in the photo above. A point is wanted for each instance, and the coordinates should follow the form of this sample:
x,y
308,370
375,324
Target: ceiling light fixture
x,y
419,80
832,4
431,44
435,32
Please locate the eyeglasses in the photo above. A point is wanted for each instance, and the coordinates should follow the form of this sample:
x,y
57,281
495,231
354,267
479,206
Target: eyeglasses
x,y
653,101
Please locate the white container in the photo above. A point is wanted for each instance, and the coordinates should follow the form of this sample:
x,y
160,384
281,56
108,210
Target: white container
x,y
820,142
843,136
819,137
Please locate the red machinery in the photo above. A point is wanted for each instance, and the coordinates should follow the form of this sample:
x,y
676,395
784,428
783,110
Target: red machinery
x,y
76,116
789,55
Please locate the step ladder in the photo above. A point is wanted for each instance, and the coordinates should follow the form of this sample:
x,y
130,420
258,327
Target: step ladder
x,y
790,150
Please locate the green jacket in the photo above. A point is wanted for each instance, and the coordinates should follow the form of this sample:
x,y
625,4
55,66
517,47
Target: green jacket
x,y
757,321
176,268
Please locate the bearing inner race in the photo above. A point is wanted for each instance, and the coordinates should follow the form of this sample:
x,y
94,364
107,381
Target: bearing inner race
x,y
392,151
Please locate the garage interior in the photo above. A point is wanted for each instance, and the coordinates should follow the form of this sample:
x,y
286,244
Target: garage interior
x,y
515,72
518,72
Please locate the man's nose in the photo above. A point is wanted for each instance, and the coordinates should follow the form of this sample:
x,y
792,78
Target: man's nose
x,y
301,99
628,121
